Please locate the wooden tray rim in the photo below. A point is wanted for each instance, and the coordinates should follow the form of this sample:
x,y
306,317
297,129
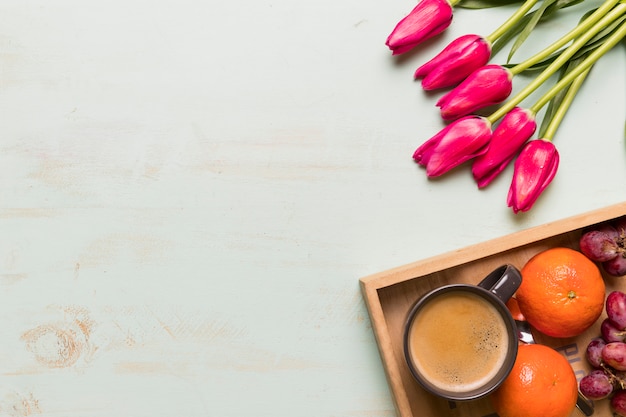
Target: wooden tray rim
x,y
372,283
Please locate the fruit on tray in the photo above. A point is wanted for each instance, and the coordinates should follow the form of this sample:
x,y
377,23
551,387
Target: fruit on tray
x,y
596,385
607,356
618,403
562,292
605,243
542,383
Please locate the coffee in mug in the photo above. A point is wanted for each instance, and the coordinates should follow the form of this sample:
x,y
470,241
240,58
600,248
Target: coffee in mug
x,y
460,340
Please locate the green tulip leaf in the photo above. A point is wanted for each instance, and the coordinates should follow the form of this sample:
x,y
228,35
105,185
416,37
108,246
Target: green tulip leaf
x,y
591,45
552,8
530,26
557,101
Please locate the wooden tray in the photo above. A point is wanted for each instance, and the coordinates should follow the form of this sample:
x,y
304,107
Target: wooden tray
x,y
390,294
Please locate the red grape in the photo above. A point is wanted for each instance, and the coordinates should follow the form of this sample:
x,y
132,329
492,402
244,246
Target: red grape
x,y
594,352
610,333
616,266
600,244
616,308
596,385
618,403
614,355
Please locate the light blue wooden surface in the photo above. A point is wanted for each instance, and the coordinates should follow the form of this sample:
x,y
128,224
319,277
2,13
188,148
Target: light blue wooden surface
x,y
191,191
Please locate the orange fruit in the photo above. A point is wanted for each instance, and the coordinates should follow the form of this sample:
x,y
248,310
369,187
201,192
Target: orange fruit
x,y
541,384
562,292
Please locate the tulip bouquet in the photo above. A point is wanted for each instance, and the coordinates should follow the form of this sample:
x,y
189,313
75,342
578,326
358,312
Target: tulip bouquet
x,y
476,84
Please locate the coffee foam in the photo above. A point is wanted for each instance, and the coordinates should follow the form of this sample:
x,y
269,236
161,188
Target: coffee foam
x,y
459,342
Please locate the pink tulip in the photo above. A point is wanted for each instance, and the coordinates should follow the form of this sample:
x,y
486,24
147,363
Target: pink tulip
x,y
427,19
484,87
458,142
512,132
535,168
455,62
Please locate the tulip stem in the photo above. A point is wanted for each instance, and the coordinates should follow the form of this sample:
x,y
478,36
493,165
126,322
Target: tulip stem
x,y
574,33
514,18
563,58
609,43
559,114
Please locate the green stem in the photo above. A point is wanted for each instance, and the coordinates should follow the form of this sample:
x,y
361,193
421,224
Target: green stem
x,y
574,33
523,9
558,62
609,43
454,2
564,106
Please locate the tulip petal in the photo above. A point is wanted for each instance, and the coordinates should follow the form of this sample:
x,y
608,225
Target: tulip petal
x,y
455,63
458,142
535,169
512,132
449,52
427,19
488,85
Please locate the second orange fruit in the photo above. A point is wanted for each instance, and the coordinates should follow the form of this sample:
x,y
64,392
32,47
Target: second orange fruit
x,y
562,292
541,384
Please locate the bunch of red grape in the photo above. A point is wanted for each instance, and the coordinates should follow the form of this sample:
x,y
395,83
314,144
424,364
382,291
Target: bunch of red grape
x,y
606,243
607,355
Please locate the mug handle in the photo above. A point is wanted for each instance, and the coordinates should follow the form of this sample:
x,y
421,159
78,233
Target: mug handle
x,y
502,282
